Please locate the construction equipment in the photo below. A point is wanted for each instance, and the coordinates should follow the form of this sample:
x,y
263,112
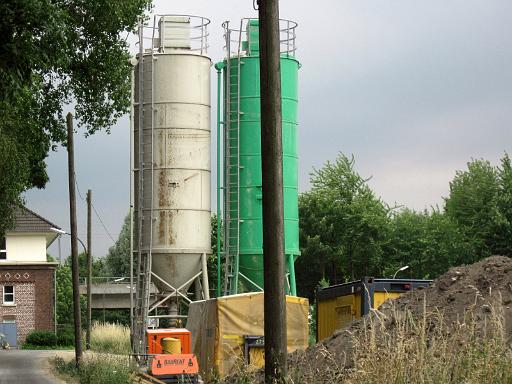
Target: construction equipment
x,y
171,360
339,304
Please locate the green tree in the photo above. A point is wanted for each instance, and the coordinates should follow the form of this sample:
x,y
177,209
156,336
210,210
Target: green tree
x,y
64,295
55,52
502,238
12,181
428,242
117,261
480,202
343,227
212,260
98,269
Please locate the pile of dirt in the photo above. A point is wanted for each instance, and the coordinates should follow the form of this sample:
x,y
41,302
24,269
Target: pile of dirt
x,y
478,289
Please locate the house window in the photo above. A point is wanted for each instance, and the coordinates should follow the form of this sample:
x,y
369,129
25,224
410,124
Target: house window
x,y
3,249
8,294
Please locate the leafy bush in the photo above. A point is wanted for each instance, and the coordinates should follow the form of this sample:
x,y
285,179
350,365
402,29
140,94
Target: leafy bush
x,y
50,339
66,338
42,338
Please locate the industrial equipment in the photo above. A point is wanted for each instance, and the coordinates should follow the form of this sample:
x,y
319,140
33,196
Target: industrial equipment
x,y
171,189
241,121
171,359
339,304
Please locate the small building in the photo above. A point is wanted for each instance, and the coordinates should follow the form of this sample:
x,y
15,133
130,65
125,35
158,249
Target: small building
x,y
27,279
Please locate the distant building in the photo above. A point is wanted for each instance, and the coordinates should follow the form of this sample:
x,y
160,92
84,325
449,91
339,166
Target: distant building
x,y
27,279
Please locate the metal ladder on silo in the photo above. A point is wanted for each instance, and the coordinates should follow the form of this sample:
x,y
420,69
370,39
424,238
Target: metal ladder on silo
x,y
232,171
143,266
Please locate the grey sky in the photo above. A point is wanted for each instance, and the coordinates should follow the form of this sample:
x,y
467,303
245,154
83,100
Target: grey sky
x,y
414,89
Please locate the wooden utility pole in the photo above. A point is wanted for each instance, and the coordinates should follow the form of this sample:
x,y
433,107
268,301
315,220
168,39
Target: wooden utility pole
x,y
272,186
89,271
74,243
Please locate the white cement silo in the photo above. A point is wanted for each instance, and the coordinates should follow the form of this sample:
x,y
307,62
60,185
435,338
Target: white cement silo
x,y
172,157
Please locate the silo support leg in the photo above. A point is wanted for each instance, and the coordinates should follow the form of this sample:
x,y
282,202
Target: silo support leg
x,y
291,269
198,290
206,287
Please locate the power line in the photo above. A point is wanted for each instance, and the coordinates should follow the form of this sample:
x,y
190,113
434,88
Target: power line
x,y
95,212
78,189
102,224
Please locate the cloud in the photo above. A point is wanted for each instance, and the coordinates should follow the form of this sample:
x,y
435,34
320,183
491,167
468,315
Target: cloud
x,y
413,89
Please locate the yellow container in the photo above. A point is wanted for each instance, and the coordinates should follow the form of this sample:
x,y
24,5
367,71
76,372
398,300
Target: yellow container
x,y
339,305
170,345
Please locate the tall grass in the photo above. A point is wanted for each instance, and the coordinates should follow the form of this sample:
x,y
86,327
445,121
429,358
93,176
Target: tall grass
x,y
398,347
97,369
110,338
428,350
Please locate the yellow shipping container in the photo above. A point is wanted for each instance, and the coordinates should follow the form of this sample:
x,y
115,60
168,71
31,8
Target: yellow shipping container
x,y
338,305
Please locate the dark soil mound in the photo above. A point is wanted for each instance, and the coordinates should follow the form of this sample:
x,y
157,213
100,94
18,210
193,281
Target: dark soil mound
x,y
474,291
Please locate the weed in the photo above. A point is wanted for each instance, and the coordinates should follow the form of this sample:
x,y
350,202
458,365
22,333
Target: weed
x,y
97,369
398,347
110,338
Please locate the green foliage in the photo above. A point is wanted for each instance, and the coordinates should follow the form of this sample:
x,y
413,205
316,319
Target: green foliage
x,y
472,202
480,202
13,179
65,314
117,316
428,242
49,339
41,338
346,232
117,261
53,53
212,260
97,369
343,227
502,234
98,269
64,295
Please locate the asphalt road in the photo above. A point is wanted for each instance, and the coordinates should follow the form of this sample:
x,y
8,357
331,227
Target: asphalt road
x,y
23,366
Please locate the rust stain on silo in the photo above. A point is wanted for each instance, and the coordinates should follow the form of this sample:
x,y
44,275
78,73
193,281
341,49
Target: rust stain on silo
x,y
171,235
161,227
162,146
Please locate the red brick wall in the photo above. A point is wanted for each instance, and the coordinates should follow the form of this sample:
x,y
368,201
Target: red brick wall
x,y
34,297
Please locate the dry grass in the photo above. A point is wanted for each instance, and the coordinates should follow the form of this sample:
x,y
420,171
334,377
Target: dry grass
x,y
96,368
399,348
110,338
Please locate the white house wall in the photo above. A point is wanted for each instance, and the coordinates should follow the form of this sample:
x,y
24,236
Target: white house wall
x,y
26,247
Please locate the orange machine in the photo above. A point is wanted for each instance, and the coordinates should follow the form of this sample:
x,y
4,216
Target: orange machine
x,y
171,358
155,337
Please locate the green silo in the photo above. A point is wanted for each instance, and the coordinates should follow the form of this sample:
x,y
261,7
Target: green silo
x,y
243,226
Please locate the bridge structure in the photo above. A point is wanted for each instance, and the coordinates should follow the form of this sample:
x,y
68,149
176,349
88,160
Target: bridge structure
x,y
112,292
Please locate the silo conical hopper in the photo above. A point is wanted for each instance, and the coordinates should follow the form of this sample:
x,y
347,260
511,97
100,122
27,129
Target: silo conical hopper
x,y
172,176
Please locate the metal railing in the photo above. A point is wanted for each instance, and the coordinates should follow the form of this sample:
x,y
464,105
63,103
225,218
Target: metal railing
x,y
106,280
287,37
196,31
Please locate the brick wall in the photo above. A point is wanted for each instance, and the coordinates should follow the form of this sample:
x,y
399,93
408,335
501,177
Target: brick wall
x,y
34,298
